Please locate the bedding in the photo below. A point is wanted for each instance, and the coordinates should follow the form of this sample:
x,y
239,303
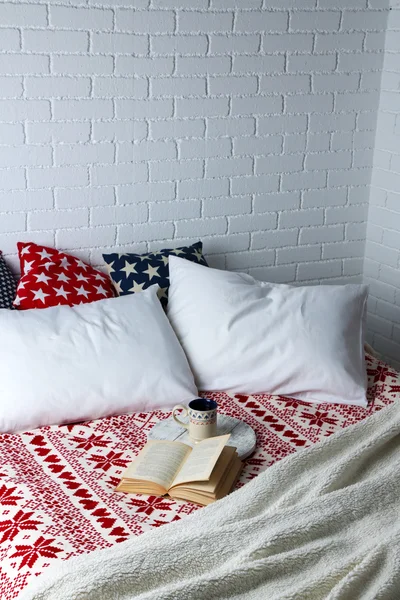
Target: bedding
x,y
52,278
237,332
8,285
73,363
132,273
56,483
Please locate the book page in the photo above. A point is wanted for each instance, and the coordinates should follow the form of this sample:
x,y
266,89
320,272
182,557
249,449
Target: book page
x,y
200,463
158,462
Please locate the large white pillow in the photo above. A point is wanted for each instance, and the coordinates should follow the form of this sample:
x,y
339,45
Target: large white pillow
x,y
65,364
245,336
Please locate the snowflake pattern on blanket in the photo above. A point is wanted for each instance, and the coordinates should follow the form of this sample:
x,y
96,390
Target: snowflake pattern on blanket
x,y
57,483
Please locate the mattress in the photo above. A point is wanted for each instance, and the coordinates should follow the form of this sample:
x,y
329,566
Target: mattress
x,y
57,483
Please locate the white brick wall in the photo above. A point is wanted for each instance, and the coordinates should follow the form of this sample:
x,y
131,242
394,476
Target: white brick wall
x,y
382,252
142,123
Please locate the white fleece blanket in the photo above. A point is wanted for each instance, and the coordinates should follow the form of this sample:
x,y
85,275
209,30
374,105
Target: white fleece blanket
x,y
323,523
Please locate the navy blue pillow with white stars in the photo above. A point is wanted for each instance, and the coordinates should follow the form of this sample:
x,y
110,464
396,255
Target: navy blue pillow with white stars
x,y
133,273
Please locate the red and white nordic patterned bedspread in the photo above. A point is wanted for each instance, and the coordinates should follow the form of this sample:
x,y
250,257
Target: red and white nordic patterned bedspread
x,y
56,483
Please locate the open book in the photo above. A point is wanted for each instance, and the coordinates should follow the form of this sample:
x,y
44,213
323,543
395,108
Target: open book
x,y
201,474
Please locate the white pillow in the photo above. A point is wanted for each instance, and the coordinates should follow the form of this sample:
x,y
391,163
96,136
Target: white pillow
x,y
66,364
246,336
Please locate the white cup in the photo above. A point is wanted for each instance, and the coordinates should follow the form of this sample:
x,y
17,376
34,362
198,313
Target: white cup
x,y
202,418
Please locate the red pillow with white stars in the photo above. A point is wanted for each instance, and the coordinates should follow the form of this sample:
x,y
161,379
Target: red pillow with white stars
x,y
50,278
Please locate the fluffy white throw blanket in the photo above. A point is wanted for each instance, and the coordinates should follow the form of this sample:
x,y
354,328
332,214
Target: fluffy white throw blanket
x,y
323,523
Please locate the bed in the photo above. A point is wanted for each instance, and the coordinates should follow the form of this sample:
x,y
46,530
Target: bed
x,y
57,483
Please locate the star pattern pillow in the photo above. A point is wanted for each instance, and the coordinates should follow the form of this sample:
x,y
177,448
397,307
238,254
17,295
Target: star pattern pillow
x,y
8,286
51,278
133,273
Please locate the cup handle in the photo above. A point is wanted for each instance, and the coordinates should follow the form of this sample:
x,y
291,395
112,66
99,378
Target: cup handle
x,y
181,423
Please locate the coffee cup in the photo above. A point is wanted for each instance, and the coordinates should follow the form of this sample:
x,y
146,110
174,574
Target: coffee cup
x,y
202,418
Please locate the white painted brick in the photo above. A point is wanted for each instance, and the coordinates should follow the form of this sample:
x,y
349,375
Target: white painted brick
x,y
374,20
145,192
274,84
191,4
144,233
177,128
119,130
260,146
132,213
192,21
346,214
282,42
363,158
68,131
274,239
57,87
10,39
22,15
80,18
335,82
231,205
57,219
119,174
244,223
235,44
179,44
258,64
305,63
309,103
83,109
281,274
282,124
25,156
119,87
365,61
279,164
234,4
57,176
153,21
232,85
119,43
316,198
71,239
353,266
301,181
244,260
314,235
295,142
280,201
298,255
221,167
314,20
325,42
199,65
12,222
339,141
19,110
55,41
320,269
169,211
144,109
346,177
356,231
328,160
231,243
238,126
301,218
176,169
11,87
257,105
320,141
11,134
248,21
8,241
26,200
255,185
178,86
145,150
81,65
199,227
143,66
203,188
24,64
357,101
83,197
83,154
207,107
341,122
205,148
343,250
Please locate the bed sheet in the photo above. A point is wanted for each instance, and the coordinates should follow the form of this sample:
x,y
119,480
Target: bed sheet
x,y
57,483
